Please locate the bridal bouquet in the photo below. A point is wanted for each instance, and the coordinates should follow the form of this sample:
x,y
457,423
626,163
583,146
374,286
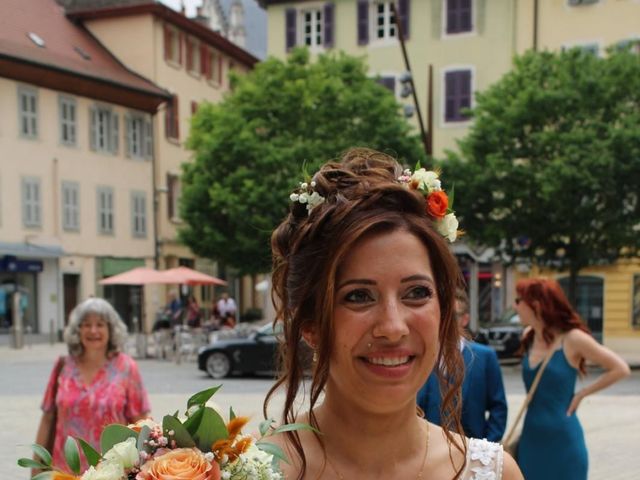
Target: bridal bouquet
x,y
200,446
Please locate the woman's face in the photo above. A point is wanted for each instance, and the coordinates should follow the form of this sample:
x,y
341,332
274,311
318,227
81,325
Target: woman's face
x,y
94,333
526,313
386,319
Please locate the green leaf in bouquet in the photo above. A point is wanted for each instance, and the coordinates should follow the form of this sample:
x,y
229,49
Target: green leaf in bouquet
x,y
272,449
42,453
143,436
232,414
193,421
202,397
90,453
265,425
290,427
210,427
72,455
43,476
113,434
31,463
181,434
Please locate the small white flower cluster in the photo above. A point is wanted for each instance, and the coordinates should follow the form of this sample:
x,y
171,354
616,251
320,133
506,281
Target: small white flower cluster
x,y
307,195
121,457
426,181
253,464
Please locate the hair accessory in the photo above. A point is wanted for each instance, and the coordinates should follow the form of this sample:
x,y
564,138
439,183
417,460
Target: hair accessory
x,y
306,194
427,182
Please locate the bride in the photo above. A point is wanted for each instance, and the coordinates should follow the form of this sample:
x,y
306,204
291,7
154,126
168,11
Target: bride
x,y
363,274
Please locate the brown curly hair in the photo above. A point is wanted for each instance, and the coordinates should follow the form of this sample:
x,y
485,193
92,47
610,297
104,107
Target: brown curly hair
x,y
362,197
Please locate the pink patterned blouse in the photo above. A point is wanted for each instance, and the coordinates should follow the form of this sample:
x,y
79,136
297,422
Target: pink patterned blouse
x,y
115,395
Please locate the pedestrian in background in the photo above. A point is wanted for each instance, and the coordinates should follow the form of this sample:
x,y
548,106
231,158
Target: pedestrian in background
x,y
484,403
95,385
227,309
552,444
193,312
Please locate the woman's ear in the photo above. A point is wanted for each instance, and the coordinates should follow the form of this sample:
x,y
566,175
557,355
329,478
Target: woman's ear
x,y
310,337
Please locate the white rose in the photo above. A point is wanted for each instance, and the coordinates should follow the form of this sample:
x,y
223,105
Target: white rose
x,y
124,453
427,180
105,471
448,227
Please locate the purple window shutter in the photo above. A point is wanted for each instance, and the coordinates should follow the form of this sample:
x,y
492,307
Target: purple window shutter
x,y
328,25
464,18
457,95
389,83
363,22
403,13
452,16
290,20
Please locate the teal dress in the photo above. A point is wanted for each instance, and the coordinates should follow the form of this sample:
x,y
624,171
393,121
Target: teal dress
x,y
552,445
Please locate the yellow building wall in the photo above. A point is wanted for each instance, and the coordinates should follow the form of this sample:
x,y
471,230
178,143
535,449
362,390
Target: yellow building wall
x,y
488,51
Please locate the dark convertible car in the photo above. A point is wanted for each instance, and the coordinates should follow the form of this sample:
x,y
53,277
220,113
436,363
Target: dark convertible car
x,y
256,353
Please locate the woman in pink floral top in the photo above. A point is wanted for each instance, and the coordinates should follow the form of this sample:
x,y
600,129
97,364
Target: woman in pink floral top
x,y
97,384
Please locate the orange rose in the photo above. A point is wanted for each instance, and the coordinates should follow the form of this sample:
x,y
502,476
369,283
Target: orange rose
x,y
180,464
437,204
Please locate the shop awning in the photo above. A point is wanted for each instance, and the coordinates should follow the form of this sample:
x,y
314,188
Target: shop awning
x,y
29,250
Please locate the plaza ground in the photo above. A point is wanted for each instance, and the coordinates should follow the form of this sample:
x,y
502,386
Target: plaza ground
x,y
611,419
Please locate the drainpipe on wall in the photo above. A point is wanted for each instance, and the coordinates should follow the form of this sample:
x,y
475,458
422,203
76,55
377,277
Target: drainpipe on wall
x,y
535,25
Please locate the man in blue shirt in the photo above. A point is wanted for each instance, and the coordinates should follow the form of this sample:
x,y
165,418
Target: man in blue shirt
x,y
484,405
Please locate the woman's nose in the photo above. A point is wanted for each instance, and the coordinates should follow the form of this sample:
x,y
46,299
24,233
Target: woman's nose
x,y
391,323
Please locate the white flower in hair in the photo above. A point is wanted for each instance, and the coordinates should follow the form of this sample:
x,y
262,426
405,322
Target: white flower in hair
x,y
427,180
306,195
448,227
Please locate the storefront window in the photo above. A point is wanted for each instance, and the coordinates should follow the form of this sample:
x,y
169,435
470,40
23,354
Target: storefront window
x,y
28,300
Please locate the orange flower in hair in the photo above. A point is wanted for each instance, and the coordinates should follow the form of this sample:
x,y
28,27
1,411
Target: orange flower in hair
x,y
437,204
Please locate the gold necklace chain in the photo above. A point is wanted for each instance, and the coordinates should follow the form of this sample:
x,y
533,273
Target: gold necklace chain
x,y
424,460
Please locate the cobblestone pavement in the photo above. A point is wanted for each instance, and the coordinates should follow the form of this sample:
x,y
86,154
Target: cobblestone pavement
x,y
611,419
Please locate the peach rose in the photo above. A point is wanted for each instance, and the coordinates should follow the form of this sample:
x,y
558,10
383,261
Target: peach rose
x,y
180,464
437,204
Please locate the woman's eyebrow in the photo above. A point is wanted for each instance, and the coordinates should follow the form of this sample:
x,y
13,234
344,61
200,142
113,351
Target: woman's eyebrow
x,y
413,278
358,281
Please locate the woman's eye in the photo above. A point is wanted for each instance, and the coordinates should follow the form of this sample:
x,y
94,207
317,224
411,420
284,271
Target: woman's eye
x,y
358,296
419,293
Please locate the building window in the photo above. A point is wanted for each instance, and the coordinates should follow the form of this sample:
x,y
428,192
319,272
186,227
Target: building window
x,y
457,95
71,206
385,21
104,130
458,16
193,59
139,136
172,45
171,119
105,210
312,28
139,214
28,112
67,116
211,65
31,202
173,196
388,82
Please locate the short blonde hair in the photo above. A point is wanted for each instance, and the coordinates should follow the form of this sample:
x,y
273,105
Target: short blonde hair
x,y
102,308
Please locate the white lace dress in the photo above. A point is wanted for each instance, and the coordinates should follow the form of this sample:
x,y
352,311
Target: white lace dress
x,y
484,460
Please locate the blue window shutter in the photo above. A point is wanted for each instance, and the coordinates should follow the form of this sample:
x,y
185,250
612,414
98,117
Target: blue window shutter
x,y
457,95
328,25
290,34
403,12
363,22
452,16
464,20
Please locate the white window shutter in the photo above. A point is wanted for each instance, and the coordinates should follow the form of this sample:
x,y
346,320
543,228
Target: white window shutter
x,y
148,139
128,125
93,116
114,134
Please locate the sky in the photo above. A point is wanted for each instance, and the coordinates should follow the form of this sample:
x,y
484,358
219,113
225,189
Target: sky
x,y
255,18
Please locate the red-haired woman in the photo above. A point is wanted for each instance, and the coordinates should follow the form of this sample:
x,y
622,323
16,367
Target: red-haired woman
x,y
552,444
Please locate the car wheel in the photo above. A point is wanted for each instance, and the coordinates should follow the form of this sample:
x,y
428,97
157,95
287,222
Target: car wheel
x,y
218,365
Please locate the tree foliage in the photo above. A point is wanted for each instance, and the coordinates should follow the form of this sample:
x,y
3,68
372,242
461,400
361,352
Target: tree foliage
x,y
249,150
550,170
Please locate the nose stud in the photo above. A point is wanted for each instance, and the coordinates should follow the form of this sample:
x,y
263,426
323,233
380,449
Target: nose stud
x,y
369,345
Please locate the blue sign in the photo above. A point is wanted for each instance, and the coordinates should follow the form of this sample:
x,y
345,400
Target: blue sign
x,y
9,263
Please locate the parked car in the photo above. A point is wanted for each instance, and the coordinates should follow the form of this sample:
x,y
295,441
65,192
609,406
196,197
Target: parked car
x,y
256,353
503,335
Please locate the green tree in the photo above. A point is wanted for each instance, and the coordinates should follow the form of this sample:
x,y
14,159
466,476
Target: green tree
x,y
550,169
249,150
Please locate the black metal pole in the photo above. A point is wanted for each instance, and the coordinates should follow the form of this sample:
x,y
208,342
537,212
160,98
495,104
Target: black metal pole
x,y
407,65
430,113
